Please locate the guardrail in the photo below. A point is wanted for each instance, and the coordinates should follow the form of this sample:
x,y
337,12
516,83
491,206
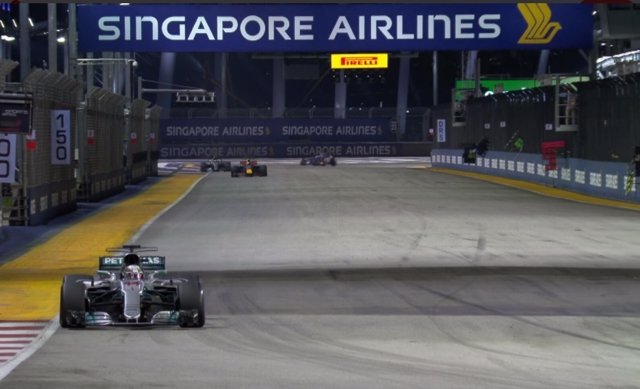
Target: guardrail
x,y
602,179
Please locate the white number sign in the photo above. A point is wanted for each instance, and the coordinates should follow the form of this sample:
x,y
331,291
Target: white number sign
x,y
8,158
441,128
60,137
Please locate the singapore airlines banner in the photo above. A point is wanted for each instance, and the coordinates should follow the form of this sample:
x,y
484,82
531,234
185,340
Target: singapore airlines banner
x,y
333,27
278,138
291,150
213,131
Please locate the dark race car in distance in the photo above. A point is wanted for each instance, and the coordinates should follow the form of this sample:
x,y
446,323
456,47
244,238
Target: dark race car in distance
x,y
321,159
249,168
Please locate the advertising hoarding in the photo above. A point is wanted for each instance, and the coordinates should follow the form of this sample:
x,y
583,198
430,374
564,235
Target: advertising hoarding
x,y
203,130
285,150
334,27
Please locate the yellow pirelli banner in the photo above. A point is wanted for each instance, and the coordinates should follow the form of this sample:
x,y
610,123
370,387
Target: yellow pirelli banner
x,y
360,61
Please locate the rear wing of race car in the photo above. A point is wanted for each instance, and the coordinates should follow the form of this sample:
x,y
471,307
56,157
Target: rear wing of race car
x,y
147,262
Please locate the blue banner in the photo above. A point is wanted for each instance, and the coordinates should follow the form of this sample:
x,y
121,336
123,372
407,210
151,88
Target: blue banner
x,y
382,149
333,27
202,130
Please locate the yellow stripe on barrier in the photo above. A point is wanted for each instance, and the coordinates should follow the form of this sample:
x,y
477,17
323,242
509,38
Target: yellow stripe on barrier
x,y
30,284
542,189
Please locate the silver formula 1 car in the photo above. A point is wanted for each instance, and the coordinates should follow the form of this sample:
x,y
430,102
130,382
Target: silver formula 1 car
x,y
215,164
131,289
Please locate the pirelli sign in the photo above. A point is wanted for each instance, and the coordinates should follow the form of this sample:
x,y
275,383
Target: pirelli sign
x,y
360,61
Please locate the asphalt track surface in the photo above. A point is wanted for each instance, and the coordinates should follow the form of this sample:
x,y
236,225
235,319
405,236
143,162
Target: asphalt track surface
x,y
377,276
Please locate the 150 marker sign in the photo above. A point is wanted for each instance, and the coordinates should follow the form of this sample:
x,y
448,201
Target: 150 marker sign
x,y
60,137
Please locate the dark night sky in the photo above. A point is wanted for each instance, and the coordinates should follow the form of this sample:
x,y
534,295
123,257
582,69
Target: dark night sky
x,y
250,78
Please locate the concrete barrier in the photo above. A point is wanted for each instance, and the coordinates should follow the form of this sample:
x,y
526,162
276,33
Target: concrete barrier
x,y
603,179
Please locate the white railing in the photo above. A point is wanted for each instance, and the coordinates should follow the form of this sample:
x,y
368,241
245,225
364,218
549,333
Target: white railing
x,y
604,179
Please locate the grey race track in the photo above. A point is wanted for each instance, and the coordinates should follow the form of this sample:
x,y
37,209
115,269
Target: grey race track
x,y
377,276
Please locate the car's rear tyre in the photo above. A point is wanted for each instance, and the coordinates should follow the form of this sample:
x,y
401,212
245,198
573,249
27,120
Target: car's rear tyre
x,y
73,304
333,162
190,300
235,171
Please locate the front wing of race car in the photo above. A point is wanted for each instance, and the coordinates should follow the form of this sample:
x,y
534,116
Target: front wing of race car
x,y
162,318
123,308
115,314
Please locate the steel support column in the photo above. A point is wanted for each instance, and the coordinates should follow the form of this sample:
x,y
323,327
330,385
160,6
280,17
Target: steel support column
x,y
107,72
403,94
220,89
167,67
72,43
117,73
25,41
90,74
472,58
435,78
340,100
476,78
543,62
128,69
52,38
279,87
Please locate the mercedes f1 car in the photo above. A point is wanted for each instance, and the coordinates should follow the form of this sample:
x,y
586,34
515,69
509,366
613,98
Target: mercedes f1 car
x,y
321,159
215,164
249,168
131,289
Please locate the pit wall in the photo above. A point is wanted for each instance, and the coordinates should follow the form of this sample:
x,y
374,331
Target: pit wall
x,y
100,148
595,178
50,200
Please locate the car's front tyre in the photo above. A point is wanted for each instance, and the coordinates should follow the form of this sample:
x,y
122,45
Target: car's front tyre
x,y
73,303
191,304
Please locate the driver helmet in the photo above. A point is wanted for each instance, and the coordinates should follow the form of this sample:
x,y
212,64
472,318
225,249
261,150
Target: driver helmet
x,y
132,272
131,259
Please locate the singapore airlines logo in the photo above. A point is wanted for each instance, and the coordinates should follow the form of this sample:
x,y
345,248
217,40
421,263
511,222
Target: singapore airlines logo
x,y
540,28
